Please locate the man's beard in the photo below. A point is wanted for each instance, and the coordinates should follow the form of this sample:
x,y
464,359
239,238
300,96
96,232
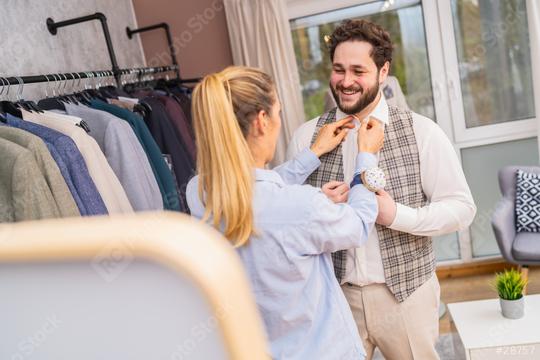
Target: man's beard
x,y
366,98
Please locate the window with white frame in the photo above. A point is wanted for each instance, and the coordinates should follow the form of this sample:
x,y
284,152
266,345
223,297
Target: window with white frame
x,y
404,21
464,63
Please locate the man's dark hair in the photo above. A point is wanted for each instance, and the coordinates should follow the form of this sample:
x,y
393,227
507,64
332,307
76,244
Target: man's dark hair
x,y
363,30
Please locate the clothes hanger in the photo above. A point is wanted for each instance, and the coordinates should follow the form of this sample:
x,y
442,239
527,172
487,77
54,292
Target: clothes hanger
x,y
128,85
54,102
92,92
85,96
164,85
141,81
8,107
70,95
82,124
63,97
106,90
101,95
79,95
2,113
28,105
19,100
72,89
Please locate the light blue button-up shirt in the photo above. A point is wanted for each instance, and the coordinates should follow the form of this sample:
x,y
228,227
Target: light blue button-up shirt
x,y
288,261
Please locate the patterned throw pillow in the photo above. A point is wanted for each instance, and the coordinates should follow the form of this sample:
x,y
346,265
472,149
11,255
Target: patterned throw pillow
x,y
527,202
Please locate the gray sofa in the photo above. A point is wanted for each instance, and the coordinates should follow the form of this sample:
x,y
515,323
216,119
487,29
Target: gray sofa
x,y
518,248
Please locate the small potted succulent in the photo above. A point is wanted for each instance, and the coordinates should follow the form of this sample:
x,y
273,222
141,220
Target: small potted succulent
x,y
509,284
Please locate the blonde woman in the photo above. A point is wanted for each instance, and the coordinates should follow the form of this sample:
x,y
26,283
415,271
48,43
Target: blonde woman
x,y
284,232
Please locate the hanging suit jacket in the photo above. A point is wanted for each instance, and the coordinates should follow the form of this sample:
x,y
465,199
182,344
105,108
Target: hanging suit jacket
x,y
107,183
170,142
180,122
71,164
125,155
47,166
161,171
24,193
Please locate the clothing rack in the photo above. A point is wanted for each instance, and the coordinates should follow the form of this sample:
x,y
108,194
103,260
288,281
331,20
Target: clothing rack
x,y
21,80
53,29
53,26
167,29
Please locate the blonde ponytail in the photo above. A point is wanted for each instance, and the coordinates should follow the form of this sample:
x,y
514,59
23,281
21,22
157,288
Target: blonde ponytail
x,y
224,104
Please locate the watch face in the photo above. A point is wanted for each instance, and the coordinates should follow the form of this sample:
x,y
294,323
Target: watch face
x,y
374,179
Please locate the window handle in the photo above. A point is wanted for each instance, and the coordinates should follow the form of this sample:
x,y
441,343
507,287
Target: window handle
x,y
437,90
452,89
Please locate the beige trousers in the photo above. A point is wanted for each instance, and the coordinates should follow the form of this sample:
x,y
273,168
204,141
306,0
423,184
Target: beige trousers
x,y
401,331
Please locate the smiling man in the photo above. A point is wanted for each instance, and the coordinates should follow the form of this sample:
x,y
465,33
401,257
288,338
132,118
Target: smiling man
x,y
390,283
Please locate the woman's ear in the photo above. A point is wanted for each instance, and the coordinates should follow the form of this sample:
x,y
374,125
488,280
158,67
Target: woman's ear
x,y
260,123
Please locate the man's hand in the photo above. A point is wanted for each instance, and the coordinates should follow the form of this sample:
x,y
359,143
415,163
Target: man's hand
x,y
331,135
387,208
336,191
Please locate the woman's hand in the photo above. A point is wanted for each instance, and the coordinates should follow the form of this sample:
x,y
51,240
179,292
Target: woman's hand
x,y
337,191
371,136
331,135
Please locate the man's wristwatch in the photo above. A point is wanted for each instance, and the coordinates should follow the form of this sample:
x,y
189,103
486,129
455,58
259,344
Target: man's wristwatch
x,y
373,179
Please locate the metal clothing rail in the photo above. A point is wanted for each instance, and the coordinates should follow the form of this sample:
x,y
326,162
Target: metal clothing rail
x,y
167,29
116,71
53,29
20,80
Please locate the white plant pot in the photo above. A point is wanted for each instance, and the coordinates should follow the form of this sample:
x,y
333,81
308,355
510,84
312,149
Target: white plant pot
x,y
513,309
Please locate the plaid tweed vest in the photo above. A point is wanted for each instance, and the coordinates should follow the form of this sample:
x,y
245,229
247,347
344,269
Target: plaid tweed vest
x,y
408,260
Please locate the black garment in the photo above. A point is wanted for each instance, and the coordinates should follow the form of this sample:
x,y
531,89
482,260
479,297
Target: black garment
x,y
51,104
170,142
185,103
113,92
109,92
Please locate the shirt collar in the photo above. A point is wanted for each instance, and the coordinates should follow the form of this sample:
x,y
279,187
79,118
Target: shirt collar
x,y
380,112
268,176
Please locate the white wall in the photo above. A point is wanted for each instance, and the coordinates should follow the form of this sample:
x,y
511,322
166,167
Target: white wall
x,y
27,47
300,8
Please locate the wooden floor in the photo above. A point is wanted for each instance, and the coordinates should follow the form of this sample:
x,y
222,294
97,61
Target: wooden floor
x,y
476,287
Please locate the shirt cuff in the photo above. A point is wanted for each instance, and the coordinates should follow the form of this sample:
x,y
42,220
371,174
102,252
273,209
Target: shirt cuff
x,y
405,218
308,160
364,161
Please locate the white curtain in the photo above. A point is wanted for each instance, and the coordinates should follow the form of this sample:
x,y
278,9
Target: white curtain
x,y
533,15
261,37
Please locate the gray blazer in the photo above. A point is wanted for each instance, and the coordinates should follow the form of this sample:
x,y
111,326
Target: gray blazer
x,y
24,193
47,166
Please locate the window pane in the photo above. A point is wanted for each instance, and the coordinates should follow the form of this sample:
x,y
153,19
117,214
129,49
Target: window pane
x,y
481,165
403,20
494,58
446,247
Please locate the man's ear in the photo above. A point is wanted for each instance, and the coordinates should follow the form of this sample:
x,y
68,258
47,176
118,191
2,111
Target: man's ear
x,y
383,73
